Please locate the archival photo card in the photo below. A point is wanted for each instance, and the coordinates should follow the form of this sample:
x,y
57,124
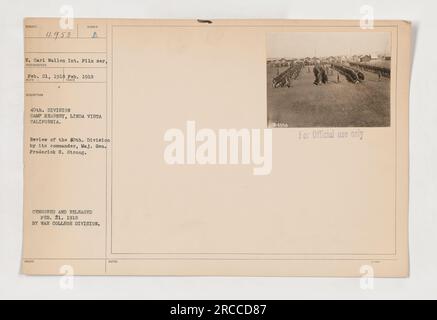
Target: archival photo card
x,y
147,150
328,79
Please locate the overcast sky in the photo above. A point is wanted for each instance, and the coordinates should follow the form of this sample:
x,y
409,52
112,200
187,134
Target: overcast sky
x,y
322,44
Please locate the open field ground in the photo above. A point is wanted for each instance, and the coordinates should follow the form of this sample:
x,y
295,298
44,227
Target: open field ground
x,y
343,104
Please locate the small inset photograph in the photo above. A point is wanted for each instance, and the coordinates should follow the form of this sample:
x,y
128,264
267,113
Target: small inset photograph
x,y
328,79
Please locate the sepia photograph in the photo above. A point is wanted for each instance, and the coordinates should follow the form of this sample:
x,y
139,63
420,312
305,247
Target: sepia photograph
x,y
328,79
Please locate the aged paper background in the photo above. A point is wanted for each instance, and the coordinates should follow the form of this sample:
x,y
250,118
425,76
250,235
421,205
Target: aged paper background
x,y
327,209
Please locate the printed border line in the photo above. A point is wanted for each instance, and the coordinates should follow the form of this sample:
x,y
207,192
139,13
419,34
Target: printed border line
x,y
106,155
257,26
207,259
